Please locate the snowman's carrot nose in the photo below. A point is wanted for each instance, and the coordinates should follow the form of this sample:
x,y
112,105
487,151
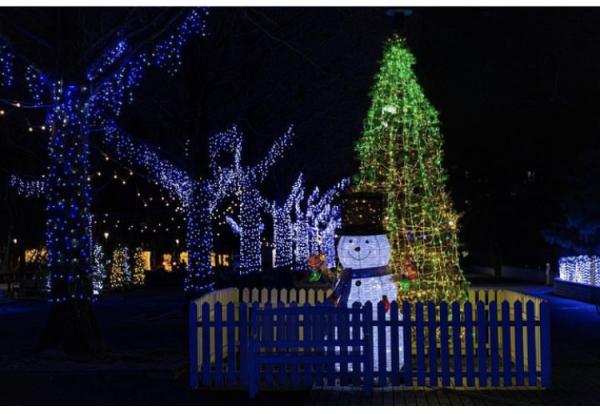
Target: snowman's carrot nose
x,y
357,249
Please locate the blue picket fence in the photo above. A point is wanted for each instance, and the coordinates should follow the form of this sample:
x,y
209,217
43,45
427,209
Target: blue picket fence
x,y
481,344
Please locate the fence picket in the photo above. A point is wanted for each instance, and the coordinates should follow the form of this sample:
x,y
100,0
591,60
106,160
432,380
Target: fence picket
x,y
282,336
319,332
506,348
193,344
293,334
311,296
420,336
356,334
368,373
253,374
519,343
444,344
330,329
283,296
407,348
308,312
531,360
219,377
493,313
301,297
432,346
481,344
206,374
470,358
395,345
231,359
243,319
381,345
268,326
546,357
457,344
344,336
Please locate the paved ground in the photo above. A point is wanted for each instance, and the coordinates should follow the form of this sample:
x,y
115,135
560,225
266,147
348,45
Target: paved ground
x,y
146,363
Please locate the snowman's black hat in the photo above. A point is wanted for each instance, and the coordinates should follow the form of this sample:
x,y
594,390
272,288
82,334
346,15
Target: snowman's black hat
x,y
362,214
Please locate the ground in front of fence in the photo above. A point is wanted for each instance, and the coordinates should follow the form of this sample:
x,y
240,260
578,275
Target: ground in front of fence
x,y
146,331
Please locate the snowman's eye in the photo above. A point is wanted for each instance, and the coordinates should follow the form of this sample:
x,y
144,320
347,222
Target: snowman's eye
x,y
350,241
366,241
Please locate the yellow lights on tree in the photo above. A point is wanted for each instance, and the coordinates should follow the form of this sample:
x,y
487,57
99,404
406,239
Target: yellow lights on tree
x,y
400,154
120,274
139,276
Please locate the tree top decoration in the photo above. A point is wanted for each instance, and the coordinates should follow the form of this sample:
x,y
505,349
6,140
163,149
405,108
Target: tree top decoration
x,y
400,153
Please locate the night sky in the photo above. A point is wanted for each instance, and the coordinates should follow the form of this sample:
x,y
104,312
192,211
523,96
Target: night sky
x,y
517,92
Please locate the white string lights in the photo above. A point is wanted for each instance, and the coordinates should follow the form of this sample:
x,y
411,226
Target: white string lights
x,y
580,269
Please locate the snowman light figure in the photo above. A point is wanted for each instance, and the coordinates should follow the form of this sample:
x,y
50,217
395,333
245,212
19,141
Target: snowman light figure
x,y
364,252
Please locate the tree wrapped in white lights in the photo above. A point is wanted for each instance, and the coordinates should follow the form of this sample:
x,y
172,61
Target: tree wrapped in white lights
x,y
324,218
98,269
283,231
306,227
242,182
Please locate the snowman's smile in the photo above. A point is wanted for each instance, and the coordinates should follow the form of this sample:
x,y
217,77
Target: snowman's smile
x,y
359,254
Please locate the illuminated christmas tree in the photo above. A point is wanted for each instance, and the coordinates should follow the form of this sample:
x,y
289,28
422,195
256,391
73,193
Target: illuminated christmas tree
x,y
400,154
120,274
138,267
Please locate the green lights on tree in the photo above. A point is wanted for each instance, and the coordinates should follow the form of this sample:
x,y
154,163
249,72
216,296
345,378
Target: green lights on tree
x,y
400,154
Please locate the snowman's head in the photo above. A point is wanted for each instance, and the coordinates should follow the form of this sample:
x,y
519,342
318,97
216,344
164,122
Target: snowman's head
x,y
362,252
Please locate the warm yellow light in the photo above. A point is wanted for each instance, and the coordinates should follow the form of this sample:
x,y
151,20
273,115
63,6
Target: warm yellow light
x,y
183,257
147,255
36,255
167,262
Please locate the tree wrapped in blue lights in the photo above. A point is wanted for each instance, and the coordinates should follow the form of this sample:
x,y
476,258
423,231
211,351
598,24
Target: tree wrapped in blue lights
x,y
73,113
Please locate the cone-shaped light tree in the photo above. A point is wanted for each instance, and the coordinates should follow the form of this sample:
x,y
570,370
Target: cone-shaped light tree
x,y
400,154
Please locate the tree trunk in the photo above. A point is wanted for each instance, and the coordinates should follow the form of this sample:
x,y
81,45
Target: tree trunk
x,y
71,325
250,245
72,328
199,242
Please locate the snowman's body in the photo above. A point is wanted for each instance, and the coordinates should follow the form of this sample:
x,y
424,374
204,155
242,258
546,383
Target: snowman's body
x,y
366,278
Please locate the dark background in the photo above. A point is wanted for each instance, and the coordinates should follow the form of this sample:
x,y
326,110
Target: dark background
x,y
516,89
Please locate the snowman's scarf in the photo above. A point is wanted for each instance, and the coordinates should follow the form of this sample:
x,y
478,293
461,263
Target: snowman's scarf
x,y
341,291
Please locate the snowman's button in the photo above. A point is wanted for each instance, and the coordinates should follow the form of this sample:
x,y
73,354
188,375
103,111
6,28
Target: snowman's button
x,y
358,283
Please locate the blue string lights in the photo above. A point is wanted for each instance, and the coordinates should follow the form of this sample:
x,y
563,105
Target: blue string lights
x,y
68,198
7,61
73,112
